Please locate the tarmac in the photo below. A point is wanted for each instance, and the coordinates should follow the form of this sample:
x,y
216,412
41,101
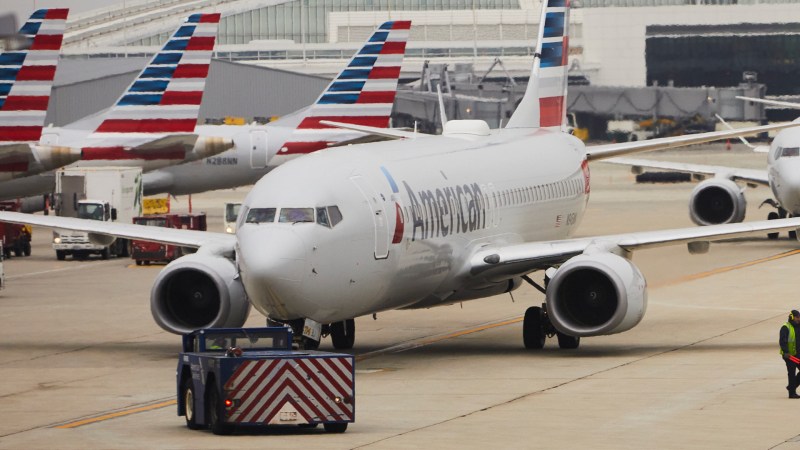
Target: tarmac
x,y
84,366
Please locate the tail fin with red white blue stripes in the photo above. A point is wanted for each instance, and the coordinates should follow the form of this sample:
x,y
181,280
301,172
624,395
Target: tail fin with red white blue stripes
x,y
26,76
362,94
544,104
165,98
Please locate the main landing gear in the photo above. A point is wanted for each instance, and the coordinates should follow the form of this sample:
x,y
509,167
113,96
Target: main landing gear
x,y
536,325
779,214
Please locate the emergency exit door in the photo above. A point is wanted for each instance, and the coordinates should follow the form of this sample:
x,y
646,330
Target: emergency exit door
x,y
378,207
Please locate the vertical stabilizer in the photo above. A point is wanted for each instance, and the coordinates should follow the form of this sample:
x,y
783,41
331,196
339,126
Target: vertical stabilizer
x,y
544,103
362,94
165,98
26,76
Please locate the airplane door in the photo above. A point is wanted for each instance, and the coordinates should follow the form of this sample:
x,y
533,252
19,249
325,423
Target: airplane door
x,y
258,149
378,207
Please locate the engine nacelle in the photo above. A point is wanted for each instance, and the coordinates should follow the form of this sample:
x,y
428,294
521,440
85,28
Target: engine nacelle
x,y
716,201
596,294
198,291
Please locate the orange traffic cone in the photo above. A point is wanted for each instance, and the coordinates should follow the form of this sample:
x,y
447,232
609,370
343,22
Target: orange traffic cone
x,y
727,144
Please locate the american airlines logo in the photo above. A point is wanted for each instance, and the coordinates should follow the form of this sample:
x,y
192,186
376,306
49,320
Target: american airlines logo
x,y
445,211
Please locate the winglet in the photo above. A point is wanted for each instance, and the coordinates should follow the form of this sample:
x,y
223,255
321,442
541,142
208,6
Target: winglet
x,y
362,94
165,98
26,76
544,103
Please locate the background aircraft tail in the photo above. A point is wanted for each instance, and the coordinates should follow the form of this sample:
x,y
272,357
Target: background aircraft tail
x,y
165,98
362,94
544,104
26,76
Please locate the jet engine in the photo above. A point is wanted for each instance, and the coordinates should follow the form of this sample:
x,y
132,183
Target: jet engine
x,y
198,291
717,201
596,294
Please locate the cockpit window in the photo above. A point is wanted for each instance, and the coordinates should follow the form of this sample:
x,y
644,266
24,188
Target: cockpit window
x,y
789,152
260,215
294,215
322,217
334,215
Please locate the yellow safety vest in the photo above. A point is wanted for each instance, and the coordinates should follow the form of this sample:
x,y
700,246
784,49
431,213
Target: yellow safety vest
x,y
792,343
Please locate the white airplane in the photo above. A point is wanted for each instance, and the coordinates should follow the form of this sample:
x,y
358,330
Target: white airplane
x,y
363,94
720,199
26,79
424,221
152,125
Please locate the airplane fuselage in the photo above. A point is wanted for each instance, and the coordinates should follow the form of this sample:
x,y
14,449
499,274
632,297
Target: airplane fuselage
x,y
410,220
783,168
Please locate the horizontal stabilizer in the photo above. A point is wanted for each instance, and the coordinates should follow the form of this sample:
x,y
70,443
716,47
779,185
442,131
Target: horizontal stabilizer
x,y
383,132
791,105
183,141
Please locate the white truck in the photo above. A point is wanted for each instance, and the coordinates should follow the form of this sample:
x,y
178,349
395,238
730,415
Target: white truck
x,y
110,194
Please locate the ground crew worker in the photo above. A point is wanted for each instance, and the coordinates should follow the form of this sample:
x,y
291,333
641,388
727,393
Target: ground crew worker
x,y
788,343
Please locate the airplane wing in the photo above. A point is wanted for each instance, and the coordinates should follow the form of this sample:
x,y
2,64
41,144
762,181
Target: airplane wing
x,y
220,243
597,152
752,176
499,263
390,133
181,141
770,102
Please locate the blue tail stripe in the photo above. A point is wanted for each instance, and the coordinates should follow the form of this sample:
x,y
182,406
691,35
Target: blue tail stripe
x,y
363,61
371,49
379,36
157,72
167,58
194,18
178,44
30,28
2,100
139,100
386,26
343,86
185,31
39,14
351,74
552,54
12,59
8,74
149,86
338,99
5,88
554,24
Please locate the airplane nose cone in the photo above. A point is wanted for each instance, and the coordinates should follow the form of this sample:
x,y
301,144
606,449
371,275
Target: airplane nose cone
x,y
272,262
789,186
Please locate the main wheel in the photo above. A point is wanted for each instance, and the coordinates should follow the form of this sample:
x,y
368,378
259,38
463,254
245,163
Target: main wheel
x,y
187,395
214,414
568,342
532,328
335,427
773,216
343,334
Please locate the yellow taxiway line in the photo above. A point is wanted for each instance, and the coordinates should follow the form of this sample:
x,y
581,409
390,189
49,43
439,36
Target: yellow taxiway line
x,y
114,415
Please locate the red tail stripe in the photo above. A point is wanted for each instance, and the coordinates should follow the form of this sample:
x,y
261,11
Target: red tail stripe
x,y
376,97
200,43
551,111
20,133
46,42
56,14
401,25
372,121
191,71
37,73
295,148
210,18
26,103
379,73
147,125
181,98
120,154
393,48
